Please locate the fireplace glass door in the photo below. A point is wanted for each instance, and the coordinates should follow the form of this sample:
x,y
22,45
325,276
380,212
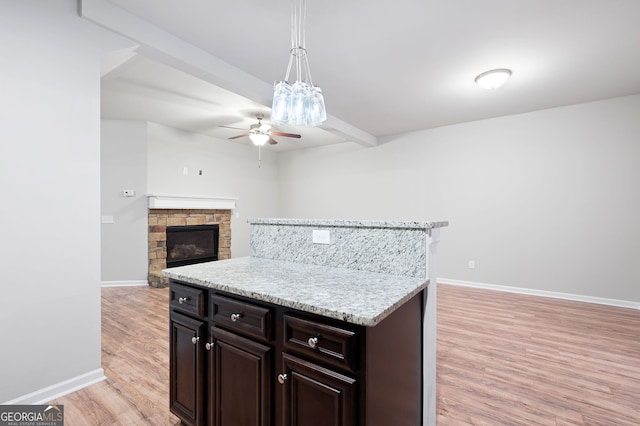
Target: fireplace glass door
x,y
187,245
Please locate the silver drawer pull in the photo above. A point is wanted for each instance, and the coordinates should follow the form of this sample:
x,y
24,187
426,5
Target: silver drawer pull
x,y
195,340
182,300
313,342
209,345
235,317
282,378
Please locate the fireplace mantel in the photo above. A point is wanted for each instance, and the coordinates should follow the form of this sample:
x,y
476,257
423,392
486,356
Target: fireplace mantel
x,y
172,201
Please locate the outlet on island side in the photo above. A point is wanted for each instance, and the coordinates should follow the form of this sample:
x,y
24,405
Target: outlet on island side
x,y
321,236
472,264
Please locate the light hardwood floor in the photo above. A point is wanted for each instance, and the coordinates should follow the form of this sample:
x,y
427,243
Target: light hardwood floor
x,y
135,358
503,359
507,359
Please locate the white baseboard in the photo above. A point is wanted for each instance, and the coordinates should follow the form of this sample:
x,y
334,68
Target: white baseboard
x,y
134,283
543,293
59,389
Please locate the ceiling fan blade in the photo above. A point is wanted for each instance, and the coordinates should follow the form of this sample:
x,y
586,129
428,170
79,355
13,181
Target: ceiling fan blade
x,y
239,136
234,128
272,141
287,135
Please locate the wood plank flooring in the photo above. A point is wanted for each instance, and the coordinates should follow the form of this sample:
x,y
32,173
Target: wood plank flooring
x,y
507,359
503,359
135,358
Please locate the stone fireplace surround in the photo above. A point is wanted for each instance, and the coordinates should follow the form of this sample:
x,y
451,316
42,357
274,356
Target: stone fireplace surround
x,y
165,210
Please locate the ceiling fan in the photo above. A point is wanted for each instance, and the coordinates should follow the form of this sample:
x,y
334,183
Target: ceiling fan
x,y
260,134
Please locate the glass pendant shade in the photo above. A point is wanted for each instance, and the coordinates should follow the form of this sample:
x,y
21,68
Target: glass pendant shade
x,y
300,103
318,113
300,97
281,103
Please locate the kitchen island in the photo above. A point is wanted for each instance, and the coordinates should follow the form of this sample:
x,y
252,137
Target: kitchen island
x,y
327,322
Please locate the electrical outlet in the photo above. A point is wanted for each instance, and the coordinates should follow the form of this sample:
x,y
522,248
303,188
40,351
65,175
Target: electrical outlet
x,y
472,264
129,192
321,236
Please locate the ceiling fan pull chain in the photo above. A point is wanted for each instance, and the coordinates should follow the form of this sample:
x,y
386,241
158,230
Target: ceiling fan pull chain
x,y
259,156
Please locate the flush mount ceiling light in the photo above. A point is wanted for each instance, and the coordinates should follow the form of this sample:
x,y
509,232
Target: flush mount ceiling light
x,y
493,79
300,103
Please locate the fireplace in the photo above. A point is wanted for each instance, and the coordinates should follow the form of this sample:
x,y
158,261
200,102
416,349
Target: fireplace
x,y
161,220
187,245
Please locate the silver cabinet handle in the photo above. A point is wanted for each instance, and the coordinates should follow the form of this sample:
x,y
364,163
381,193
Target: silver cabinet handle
x,y
209,345
313,342
182,300
195,339
235,317
282,378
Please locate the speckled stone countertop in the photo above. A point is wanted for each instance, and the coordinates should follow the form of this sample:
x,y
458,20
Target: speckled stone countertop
x,y
358,297
382,246
351,223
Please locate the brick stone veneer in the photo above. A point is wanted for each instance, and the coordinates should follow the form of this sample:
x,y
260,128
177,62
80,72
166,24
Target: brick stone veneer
x,y
159,219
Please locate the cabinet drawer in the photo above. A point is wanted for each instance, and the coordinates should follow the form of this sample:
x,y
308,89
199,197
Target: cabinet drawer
x,y
333,345
188,299
242,317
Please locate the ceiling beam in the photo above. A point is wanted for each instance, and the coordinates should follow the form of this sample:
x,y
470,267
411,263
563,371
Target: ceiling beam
x,y
117,62
158,44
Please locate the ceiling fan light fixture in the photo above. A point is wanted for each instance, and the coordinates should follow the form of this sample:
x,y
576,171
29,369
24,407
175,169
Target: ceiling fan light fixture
x,y
300,103
259,139
493,79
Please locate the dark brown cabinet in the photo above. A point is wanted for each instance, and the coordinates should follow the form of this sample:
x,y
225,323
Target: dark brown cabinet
x,y
240,381
187,368
316,396
236,361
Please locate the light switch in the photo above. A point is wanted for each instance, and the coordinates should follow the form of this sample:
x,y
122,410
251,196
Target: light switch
x,y
129,193
106,219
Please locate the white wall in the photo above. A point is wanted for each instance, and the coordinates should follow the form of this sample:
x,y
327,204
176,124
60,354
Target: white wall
x,y
547,200
123,159
50,209
228,169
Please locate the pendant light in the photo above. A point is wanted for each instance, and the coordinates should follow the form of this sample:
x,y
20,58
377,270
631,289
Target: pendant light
x,y
300,103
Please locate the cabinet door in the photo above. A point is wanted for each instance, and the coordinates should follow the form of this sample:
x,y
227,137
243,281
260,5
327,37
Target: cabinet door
x,y
240,381
316,396
186,345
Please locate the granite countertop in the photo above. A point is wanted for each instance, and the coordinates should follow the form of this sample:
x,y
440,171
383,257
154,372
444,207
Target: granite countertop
x,y
391,224
363,298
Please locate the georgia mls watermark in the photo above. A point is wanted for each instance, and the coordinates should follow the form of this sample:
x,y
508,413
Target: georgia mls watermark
x,y
31,415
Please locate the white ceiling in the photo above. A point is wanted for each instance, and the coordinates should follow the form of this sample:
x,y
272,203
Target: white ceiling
x,y
384,67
